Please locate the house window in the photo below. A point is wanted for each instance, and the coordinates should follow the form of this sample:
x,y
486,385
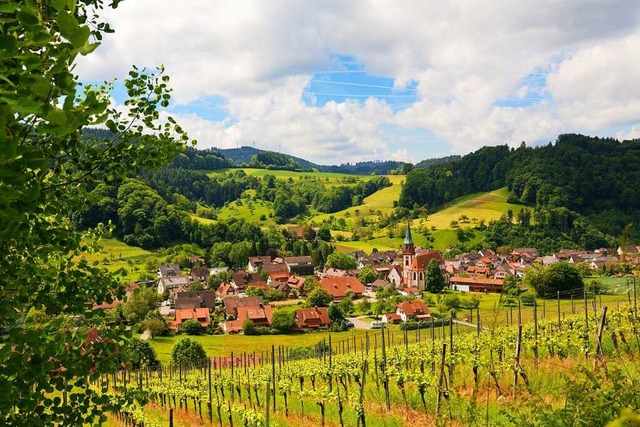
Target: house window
x,y
406,261
415,276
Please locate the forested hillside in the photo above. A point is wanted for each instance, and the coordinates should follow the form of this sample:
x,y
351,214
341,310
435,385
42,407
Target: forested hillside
x,y
587,176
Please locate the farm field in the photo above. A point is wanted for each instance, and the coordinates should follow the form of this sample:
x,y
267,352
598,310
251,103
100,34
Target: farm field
x,y
494,377
224,345
480,206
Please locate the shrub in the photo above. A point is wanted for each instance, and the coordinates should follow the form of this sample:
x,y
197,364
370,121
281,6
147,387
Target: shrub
x,y
188,352
191,327
141,354
248,328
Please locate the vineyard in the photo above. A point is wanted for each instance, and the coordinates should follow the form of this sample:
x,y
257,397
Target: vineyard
x,y
524,374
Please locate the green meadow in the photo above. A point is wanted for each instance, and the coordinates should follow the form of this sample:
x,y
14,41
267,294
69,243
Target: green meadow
x,y
117,256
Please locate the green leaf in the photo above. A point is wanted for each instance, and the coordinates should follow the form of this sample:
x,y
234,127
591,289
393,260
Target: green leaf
x,y
80,37
67,23
8,7
88,48
28,19
57,117
41,87
7,45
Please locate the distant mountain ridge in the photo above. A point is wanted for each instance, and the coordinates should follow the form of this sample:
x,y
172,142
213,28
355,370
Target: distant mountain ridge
x,y
245,154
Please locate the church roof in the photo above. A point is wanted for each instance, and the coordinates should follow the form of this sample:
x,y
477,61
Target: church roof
x,y
408,240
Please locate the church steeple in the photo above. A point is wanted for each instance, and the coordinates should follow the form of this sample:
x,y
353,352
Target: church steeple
x,y
407,239
408,254
408,248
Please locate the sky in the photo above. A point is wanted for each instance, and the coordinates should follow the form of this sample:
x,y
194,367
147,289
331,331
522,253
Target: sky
x,y
346,81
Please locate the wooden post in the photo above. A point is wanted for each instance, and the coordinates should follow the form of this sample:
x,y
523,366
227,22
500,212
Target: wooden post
x,y
600,330
385,378
273,376
441,379
559,324
535,331
516,367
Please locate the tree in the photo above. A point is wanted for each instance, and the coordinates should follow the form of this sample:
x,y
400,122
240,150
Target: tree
x,y
48,168
336,314
346,305
318,298
434,281
283,321
340,261
365,306
141,354
188,352
324,234
367,274
240,253
156,327
560,277
191,327
141,302
155,323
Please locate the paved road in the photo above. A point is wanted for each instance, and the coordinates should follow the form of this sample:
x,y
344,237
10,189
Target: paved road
x,y
359,324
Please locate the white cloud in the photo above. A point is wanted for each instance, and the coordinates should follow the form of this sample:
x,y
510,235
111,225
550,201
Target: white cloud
x,y
465,56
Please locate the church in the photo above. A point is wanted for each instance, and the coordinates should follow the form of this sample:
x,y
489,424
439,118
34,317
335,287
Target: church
x,y
414,265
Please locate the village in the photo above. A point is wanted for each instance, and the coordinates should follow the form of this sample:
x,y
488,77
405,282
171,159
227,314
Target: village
x,y
251,294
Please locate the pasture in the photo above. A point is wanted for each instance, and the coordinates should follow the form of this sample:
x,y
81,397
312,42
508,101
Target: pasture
x,y
117,256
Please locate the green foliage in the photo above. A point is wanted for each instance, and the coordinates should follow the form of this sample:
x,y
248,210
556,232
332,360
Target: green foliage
x,y
283,321
367,274
188,352
346,305
248,328
336,314
191,327
275,161
141,354
156,323
141,302
48,168
341,261
561,277
318,298
434,281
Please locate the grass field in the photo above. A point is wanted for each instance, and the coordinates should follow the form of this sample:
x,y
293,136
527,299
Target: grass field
x,y
480,206
327,178
224,345
115,255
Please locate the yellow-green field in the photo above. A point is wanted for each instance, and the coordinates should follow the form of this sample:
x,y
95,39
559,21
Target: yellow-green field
x,y
327,178
380,202
480,206
115,255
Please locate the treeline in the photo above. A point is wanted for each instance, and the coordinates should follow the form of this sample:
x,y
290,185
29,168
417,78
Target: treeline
x,y
274,161
369,167
203,160
483,170
197,186
590,176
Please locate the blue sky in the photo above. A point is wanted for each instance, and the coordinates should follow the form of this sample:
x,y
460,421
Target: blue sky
x,y
404,80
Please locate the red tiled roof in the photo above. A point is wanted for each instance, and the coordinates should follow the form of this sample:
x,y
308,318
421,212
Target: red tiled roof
x,y
421,261
476,280
338,287
414,308
312,317
199,314
258,313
